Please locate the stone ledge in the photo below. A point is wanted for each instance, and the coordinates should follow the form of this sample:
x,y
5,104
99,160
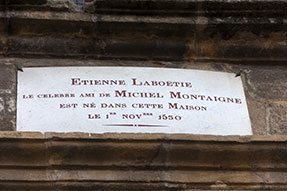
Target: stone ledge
x,y
158,7
231,31
50,136
157,161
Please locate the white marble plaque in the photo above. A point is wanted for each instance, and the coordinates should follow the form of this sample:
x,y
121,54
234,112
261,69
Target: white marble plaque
x,y
131,99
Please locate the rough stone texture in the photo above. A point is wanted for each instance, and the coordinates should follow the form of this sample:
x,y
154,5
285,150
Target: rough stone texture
x,y
7,77
258,115
7,112
2,108
81,161
231,31
246,36
267,82
277,121
7,95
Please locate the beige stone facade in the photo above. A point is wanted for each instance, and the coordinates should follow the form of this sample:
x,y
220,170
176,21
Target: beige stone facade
x,y
246,37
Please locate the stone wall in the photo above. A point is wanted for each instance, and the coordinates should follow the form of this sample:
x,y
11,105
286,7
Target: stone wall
x,y
140,162
246,37
233,36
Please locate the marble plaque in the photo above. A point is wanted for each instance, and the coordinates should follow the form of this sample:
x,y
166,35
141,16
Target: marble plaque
x,y
131,100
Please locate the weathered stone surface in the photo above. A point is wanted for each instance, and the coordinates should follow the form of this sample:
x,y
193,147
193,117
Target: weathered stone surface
x,y
2,108
277,118
233,31
8,112
124,161
8,123
11,104
7,96
215,44
3,37
267,82
209,35
257,112
7,77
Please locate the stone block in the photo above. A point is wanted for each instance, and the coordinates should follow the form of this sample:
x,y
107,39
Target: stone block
x,y
8,124
257,113
26,2
11,104
277,118
267,82
7,112
2,27
7,77
3,37
2,108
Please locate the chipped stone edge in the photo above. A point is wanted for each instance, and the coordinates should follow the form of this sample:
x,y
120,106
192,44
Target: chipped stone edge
x,y
140,137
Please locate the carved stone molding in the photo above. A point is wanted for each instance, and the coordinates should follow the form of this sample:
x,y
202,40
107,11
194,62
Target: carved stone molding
x,y
34,161
220,30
